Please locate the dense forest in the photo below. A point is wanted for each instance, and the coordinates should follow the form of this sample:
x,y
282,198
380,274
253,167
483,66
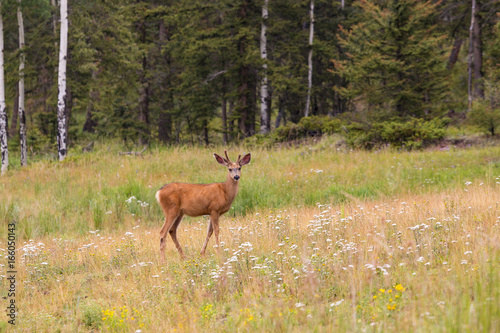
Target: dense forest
x,y
219,71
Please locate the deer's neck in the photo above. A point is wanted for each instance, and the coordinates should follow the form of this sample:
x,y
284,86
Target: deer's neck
x,y
231,188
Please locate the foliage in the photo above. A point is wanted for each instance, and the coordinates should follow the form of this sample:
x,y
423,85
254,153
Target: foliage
x,y
307,127
161,71
395,58
486,117
412,134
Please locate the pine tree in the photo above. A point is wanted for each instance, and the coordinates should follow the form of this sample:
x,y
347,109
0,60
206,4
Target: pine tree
x,y
396,59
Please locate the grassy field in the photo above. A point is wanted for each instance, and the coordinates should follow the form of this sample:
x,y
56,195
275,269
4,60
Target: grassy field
x,y
318,239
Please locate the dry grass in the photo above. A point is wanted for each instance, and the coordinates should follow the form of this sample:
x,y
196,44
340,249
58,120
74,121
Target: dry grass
x,y
427,262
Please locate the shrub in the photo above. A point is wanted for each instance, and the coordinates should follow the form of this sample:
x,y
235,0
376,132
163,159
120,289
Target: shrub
x,y
307,127
92,316
412,134
485,117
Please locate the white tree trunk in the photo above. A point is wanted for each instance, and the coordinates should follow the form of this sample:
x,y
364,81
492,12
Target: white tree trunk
x,y
3,115
471,43
264,89
22,117
62,135
309,59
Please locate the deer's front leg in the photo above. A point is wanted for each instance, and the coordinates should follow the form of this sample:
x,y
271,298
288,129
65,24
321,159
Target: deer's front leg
x,y
209,233
214,221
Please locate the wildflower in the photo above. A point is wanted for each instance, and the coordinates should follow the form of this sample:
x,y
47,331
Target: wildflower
x,y
337,303
399,287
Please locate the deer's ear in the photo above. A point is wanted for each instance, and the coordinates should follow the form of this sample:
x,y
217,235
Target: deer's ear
x,y
221,160
245,160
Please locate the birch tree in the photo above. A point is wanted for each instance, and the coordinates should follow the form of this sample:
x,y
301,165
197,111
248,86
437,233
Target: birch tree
x,y
264,89
471,43
21,111
310,61
3,115
62,135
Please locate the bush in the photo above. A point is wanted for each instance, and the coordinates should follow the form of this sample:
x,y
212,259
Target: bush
x,y
412,134
92,316
485,117
307,127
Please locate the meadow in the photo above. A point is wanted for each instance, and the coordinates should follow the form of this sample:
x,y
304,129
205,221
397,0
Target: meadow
x,y
319,238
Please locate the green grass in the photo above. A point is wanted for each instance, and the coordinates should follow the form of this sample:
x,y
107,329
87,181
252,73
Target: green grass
x,y
89,191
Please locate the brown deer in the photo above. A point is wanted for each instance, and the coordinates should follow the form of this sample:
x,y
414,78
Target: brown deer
x,y
179,199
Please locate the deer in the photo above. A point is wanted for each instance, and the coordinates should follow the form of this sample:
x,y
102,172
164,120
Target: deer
x,y
215,199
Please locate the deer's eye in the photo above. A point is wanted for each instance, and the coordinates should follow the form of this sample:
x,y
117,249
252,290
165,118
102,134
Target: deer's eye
x,y
239,168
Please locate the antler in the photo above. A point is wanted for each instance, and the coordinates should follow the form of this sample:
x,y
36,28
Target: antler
x,y
227,157
239,156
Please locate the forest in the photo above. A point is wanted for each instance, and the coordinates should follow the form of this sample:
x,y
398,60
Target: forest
x,y
203,72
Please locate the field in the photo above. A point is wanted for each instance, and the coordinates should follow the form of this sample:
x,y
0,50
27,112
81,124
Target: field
x,y
318,239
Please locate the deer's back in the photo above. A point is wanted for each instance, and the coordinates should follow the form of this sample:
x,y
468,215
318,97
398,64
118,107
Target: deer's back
x,y
192,199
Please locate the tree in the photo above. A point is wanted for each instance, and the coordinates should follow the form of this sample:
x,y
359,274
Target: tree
x,y
62,135
22,116
310,60
4,151
396,62
264,93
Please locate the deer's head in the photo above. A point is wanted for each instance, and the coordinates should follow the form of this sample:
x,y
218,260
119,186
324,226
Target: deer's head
x,y
234,168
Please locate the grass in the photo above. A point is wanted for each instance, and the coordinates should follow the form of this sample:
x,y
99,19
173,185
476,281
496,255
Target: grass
x,y
318,240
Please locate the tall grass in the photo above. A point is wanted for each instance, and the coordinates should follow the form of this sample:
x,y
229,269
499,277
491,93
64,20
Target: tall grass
x,y
318,239
426,262
88,192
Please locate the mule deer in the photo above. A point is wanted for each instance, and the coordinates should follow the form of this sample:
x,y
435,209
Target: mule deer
x,y
179,199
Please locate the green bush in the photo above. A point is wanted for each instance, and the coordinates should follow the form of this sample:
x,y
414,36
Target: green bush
x,y
485,117
412,134
307,127
92,316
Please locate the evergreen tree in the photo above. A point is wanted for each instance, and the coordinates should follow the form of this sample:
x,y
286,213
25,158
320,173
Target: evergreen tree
x,y
396,59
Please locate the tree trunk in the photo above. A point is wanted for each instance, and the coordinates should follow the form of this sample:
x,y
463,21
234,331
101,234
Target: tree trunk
x,y
224,112
21,111
165,118
90,123
269,105
309,59
15,115
4,151
281,112
62,134
68,109
252,107
478,55
245,86
231,121
455,51
205,132
469,65
264,118
144,103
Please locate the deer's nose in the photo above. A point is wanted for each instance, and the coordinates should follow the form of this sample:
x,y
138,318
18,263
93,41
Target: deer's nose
x,y
236,177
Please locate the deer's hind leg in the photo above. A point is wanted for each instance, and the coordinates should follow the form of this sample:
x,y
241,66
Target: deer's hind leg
x,y
173,234
171,216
